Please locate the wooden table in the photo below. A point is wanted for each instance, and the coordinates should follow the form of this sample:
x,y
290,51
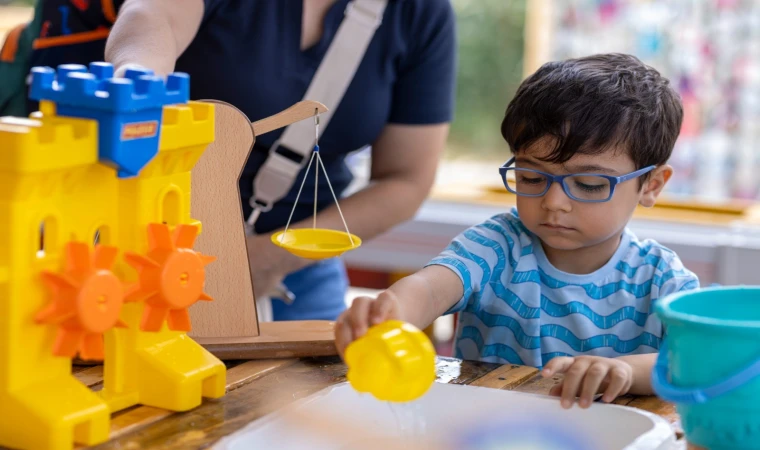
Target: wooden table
x,y
257,388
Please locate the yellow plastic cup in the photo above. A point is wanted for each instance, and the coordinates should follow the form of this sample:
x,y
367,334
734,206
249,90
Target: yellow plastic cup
x,y
394,362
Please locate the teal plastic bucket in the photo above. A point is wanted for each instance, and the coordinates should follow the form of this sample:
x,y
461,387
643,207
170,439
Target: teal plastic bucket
x,y
709,364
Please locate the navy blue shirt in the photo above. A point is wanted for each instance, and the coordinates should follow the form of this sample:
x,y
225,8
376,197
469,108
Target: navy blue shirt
x,y
247,53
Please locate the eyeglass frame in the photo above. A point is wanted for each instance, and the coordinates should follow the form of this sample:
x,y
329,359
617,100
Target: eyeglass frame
x,y
614,181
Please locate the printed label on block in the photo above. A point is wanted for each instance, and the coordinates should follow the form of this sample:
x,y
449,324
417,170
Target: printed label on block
x,y
139,130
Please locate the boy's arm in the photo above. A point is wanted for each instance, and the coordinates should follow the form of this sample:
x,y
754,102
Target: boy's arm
x,y
427,294
446,284
417,299
153,33
642,366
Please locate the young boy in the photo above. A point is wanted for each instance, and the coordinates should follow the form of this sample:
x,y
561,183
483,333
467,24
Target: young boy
x,y
560,283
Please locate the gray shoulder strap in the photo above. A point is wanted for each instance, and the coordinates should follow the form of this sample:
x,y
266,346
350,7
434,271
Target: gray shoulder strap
x,y
278,173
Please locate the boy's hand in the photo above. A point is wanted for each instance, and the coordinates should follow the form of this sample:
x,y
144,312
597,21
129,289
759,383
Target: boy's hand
x,y
585,376
364,313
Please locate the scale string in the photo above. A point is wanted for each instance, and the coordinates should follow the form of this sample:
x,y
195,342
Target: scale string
x,y
287,225
316,172
315,155
320,163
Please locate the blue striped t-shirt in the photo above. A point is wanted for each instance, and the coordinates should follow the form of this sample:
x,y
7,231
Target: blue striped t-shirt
x,y
517,308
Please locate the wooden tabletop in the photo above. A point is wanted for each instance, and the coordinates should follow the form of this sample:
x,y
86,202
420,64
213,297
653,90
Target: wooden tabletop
x,y
257,388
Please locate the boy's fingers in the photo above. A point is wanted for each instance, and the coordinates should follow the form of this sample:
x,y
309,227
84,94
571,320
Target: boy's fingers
x,y
556,390
380,309
573,378
595,374
359,316
343,335
557,365
618,381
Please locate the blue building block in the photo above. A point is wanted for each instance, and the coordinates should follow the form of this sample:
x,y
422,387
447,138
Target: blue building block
x,y
128,110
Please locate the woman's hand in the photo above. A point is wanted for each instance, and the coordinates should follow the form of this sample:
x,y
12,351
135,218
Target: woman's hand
x,y
269,264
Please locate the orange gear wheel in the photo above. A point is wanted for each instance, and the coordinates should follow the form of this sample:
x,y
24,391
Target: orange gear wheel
x,y
172,276
87,300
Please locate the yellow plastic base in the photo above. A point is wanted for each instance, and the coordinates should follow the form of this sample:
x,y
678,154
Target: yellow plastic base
x,y
52,415
394,362
166,369
316,243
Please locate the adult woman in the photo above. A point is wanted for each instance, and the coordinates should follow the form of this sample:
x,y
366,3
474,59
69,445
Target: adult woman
x,y
260,55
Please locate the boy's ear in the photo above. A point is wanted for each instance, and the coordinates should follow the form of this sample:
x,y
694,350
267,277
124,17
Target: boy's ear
x,y
657,180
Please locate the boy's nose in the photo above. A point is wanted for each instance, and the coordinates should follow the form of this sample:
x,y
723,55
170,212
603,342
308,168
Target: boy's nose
x,y
555,199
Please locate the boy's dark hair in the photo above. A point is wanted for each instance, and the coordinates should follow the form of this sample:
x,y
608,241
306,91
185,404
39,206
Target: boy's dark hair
x,y
594,103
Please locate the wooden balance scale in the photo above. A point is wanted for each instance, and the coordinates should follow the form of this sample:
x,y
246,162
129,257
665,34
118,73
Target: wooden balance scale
x,y
229,327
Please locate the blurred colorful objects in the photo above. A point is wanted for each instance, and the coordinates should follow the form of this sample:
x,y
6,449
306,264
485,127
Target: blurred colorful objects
x,y
710,49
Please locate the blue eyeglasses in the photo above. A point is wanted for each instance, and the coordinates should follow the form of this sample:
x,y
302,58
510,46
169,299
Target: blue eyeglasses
x,y
582,187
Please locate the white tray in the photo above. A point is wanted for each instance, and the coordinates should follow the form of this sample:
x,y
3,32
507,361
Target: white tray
x,y
450,417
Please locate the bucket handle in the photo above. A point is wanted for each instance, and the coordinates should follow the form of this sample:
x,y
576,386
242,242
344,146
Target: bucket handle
x,y
689,396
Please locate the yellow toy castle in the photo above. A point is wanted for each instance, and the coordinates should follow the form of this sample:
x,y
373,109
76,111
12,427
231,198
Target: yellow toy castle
x,y
96,254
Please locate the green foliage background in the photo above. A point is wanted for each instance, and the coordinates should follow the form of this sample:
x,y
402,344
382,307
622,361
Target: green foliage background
x,y
490,70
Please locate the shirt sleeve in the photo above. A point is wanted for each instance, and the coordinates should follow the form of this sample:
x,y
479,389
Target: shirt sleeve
x,y
424,90
676,278
484,253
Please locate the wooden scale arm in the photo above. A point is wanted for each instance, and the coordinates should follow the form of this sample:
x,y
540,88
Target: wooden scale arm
x,y
228,326
296,113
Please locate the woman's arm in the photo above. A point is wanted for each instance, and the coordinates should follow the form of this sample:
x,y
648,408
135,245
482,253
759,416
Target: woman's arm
x,y
153,33
404,163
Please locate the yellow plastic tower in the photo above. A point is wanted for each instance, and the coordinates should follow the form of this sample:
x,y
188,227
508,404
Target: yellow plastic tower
x,y
62,295
51,184
165,368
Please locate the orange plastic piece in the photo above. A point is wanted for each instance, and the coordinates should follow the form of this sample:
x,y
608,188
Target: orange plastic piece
x,y
87,300
172,276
